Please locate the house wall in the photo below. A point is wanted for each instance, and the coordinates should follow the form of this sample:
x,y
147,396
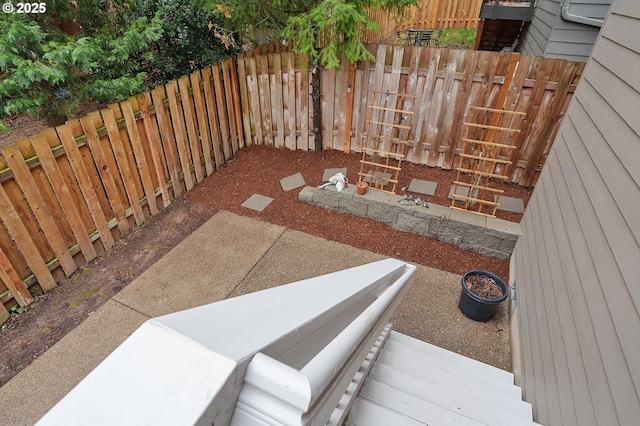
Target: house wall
x,y
576,266
552,36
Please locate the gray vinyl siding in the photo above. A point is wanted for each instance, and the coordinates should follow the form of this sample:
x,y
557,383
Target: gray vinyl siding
x,y
552,36
577,264
535,38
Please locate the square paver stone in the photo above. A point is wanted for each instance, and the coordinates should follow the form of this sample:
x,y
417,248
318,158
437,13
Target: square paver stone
x,y
420,186
379,177
511,204
257,202
330,172
461,190
292,182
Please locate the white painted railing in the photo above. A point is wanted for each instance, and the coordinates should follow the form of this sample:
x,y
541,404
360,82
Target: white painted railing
x,y
290,355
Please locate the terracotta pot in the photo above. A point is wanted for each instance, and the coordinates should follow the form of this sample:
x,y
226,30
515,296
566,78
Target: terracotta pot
x,y
362,187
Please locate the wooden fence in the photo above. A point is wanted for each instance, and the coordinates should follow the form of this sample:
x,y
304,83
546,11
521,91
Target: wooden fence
x,y
427,14
69,193
277,110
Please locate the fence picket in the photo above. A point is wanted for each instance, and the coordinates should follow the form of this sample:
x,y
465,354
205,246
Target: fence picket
x,y
235,129
12,280
35,198
140,157
182,142
105,172
277,103
150,128
169,146
222,112
210,99
191,124
86,187
202,122
25,243
124,171
62,192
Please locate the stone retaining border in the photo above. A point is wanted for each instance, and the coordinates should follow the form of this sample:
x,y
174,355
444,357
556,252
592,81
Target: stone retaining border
x,y
485,235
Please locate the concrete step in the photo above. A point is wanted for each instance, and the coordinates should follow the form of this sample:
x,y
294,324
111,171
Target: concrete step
x,y
415,383
458,359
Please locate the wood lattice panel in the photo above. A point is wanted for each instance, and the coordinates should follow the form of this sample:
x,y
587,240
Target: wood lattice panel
x,y
386,139
487,146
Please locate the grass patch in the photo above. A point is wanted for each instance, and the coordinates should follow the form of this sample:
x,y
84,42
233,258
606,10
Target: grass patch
x,y
84,295
459,38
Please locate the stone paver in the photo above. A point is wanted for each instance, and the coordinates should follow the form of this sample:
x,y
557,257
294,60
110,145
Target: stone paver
x,y
330,172
461,190
292,182
257,202
420,186
511,204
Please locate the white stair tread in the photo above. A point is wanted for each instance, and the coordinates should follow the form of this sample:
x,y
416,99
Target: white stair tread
x,y
424,366
365,413
411,406
463,398
458,359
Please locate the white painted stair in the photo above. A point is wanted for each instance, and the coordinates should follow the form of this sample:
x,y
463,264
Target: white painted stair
x,y
415,383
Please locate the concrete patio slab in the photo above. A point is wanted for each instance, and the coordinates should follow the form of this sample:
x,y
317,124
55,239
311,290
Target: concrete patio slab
x,y
330,172
511,204
231,255
420,186
51,376
292,182
257,202
185,278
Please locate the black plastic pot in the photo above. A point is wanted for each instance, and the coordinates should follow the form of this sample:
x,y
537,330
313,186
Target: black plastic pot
x,y
478,308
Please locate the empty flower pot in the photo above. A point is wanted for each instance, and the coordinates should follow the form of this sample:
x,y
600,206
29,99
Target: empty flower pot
x,y
362,187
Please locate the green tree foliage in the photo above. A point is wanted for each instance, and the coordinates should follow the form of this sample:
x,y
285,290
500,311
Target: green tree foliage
x,y
321,29
188,41
47,72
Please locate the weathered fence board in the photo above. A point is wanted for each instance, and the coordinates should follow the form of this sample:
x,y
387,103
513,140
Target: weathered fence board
x,y
446,82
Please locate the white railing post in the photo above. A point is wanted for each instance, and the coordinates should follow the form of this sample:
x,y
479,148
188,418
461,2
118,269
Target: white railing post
x,y
276,393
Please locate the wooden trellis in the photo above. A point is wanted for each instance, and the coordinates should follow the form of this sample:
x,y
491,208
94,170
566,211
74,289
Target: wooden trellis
x,y
386,139
487,146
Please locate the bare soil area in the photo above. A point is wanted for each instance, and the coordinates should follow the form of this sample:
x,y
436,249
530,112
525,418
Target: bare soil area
x,y
254,170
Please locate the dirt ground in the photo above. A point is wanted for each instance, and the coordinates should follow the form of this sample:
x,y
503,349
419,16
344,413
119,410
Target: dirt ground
x,y
254,170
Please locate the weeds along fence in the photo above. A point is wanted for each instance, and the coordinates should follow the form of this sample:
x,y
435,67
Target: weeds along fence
x,y
68,194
